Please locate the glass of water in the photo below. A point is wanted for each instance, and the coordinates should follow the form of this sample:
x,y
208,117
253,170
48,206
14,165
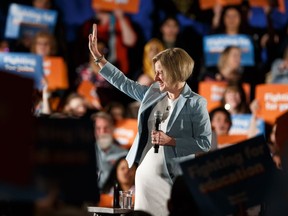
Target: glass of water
x,y
125,199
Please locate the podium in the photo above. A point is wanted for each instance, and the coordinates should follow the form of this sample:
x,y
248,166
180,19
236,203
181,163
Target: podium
x,y
102,211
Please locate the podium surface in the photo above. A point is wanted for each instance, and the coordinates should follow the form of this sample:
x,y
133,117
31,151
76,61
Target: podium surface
x,y
98,211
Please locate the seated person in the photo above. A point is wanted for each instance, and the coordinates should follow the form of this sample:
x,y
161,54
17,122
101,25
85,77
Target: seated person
x,y
108,150
220,121
123,176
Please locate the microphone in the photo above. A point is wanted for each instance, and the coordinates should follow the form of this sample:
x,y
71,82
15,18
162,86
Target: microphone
x,y
158,118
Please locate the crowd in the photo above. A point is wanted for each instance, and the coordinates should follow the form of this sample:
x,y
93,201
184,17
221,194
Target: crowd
x,y
129,42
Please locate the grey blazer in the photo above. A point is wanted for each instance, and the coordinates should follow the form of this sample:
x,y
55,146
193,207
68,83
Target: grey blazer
x,y
189,124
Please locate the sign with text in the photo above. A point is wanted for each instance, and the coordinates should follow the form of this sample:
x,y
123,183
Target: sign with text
x,y
125,132
22,64
280,4
55,72
230,179
213,92
129,6
209,4
26,20
214,44
273,101
241,124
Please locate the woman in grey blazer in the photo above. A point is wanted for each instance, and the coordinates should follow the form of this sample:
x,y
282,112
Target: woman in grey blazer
x,y
184,131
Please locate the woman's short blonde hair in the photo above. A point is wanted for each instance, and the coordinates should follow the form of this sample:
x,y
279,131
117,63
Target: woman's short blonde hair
x,y
177,63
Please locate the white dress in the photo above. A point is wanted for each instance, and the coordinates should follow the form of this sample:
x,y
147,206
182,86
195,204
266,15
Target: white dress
x,y
152,190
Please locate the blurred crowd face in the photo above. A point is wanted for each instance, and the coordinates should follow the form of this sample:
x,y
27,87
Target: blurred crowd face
x,y
124,174
42,46
234,58
232,99
232,19
170,30
76,107
42,4
103,133
220,123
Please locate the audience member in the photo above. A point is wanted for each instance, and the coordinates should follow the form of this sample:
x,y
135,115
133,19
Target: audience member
x,y
220,121
151,48
75,106
108,150
235,100
44,44
169,32
116,30
279,70
122,175
116,110
228,68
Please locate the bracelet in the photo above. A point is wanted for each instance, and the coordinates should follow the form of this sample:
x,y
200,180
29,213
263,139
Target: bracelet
x,y
97,60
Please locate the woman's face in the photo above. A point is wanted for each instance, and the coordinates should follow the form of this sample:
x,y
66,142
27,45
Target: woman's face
x,y
77,106
232,99
42,46
123,173
232,19
234,58
220,123
170,29
160,77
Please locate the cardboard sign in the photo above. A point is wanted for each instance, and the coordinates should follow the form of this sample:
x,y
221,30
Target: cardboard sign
x,y
55,71
214,44
129,6
213,92
241,124
88,90
22,64
26,20
273,101
227,180
209,4
125,132
264,3
227,140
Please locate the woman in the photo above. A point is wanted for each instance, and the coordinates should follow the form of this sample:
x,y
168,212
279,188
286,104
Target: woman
x,y
229,67
121,174
186,133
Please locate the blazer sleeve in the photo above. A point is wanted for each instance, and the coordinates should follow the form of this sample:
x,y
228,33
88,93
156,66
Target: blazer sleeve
x,y
114,76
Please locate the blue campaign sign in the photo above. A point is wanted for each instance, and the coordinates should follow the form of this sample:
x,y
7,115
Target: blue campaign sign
x,y
231,179
213,45
241,124
23,64
21,17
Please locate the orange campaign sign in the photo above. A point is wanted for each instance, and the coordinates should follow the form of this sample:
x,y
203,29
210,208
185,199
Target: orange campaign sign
x,y
265,3
208,4
88,90
273,101
213,92
129,6
227,140
125,132
55,72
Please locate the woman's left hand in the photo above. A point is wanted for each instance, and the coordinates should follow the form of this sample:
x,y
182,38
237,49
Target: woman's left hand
x,y
160,138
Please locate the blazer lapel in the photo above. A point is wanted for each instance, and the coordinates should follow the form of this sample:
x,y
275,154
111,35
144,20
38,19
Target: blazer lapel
x,y
186,93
